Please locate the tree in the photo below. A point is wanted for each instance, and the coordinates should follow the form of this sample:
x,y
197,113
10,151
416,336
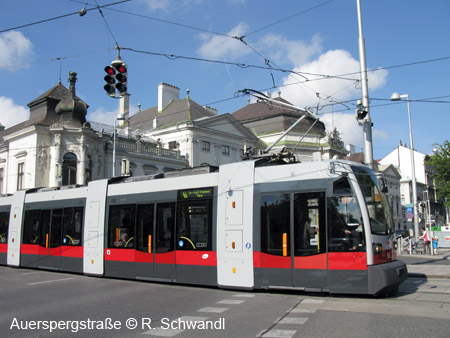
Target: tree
x,y
440,162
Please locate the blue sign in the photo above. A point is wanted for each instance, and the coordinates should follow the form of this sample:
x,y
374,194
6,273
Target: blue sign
x,y
248,245
409,210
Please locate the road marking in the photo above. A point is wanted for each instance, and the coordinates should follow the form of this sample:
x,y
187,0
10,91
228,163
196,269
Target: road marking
x,y
231,301
50,281
312,301
163,332
293,320
279,334
298,310
247,295
32,273
213,309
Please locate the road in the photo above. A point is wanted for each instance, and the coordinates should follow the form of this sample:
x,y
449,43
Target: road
x,y
48,304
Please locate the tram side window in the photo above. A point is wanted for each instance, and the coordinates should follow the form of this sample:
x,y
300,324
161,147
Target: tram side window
x,y
194,225
4,220
121,226
31,227
346,231
309,223
72,224
144,227
44,228
275,220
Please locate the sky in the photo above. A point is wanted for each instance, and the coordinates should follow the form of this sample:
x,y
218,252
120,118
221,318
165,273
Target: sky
x,y
305,50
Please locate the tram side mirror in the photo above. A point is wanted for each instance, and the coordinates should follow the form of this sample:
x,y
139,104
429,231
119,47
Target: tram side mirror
x,y
383,184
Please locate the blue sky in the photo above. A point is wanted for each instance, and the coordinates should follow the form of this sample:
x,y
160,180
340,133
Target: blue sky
x,y
407,51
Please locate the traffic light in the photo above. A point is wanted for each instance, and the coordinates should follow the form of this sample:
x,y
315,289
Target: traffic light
x,y
360,112
121,77
110,79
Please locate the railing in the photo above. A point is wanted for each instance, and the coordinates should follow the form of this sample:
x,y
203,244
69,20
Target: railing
x,y
147,148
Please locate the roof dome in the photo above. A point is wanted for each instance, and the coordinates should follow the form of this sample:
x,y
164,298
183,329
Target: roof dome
x,y
71,108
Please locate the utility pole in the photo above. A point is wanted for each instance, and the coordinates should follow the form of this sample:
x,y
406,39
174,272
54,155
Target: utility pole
x,y
365,122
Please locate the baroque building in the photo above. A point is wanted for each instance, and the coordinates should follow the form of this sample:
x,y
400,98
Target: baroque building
x,y
57,146
198,132
270,120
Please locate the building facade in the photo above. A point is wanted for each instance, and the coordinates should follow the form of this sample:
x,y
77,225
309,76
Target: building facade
x,y
56,146
269,121
198,133
430,208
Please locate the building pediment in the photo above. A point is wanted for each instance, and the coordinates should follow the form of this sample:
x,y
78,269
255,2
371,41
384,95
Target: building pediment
x,y
225,123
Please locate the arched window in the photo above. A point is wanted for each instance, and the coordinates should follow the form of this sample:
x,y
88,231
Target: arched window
x,y
88,170
69,169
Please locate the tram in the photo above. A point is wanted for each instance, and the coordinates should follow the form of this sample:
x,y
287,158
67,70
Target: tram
x,y
315,226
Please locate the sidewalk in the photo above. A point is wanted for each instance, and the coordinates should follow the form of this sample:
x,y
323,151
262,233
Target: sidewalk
x,y
428,266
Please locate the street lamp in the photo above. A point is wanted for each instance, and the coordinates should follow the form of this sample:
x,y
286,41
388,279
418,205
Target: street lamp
x,y
398,97
120,117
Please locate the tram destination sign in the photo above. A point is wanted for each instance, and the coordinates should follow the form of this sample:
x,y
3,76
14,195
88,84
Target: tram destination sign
x,y
195,193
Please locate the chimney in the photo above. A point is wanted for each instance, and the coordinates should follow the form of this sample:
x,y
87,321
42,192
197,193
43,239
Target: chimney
x,y
166,94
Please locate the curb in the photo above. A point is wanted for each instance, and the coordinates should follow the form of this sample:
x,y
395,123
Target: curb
x,y
423,275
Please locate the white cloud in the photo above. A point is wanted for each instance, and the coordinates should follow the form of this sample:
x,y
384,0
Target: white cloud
x,y
347,126
329,64
281,50
14,48
100,115
219,47
319,91
11,114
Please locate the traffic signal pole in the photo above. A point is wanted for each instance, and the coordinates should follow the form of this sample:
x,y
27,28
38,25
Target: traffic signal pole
x,y
366,121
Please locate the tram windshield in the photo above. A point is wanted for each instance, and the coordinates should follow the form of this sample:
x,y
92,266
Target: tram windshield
x,y
377,206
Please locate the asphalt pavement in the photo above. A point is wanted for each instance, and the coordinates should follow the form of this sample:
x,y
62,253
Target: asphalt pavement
x,y
427,265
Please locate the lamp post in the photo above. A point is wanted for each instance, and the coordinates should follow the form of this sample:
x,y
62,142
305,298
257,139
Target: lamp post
x,y
398,97
120,117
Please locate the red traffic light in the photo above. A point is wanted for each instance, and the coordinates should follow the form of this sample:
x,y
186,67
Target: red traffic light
x,y
121,68
110,70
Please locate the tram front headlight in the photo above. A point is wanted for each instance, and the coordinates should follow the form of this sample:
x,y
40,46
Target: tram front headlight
x,y
378,248
395,245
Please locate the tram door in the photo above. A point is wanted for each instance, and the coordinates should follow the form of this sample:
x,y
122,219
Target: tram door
x,y
50,237
164,241
293,240
309,240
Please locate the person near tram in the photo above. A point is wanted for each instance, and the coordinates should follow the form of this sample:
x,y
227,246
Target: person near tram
x,y
426,238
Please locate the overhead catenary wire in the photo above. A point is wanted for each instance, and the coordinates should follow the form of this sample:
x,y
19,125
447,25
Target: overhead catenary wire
x,y
60,16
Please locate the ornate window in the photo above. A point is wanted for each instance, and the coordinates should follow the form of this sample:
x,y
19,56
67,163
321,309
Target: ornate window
x,y
69,169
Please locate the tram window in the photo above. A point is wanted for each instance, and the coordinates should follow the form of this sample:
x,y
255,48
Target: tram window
x,y
309,224
342,187
55,228
275,220
44,229
346,231
72,224
144,227
4,220
121,226
165,225
194,225
31,227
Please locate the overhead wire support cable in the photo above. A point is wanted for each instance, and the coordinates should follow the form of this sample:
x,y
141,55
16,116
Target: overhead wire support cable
x,y
170,22
60,16
287,18
107,26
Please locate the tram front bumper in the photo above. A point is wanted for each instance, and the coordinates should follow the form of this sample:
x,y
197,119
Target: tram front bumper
x,y
385,278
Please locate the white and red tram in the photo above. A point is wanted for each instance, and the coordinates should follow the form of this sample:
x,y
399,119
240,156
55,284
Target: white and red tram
x,y
316,226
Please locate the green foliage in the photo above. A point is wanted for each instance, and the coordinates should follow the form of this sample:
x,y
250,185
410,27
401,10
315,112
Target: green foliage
x,y
441,165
